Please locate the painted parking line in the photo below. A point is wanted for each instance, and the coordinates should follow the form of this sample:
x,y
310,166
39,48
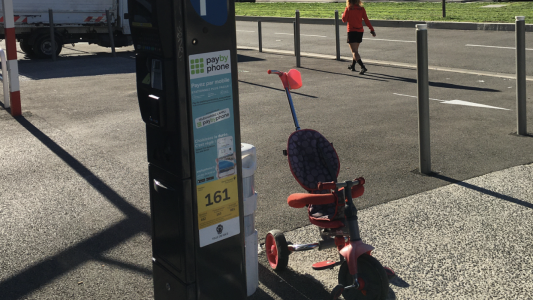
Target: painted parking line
x,y
498,47
323,36
245,31
386,40
457,102
388,63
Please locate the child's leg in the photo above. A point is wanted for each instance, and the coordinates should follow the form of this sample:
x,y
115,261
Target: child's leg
x,y
355,51
354,47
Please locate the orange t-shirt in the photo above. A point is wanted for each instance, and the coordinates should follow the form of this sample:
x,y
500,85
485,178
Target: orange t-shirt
x,y
354,15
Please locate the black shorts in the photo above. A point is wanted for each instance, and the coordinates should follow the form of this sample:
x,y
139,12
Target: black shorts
x,y
355,37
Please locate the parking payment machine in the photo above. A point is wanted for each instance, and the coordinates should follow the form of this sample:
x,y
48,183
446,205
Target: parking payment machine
x,y
186,64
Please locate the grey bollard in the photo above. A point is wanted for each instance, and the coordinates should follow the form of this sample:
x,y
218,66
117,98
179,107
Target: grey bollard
x,y
337,38
294,35
520,30
52,34
110,29
259,33
297,38
423,98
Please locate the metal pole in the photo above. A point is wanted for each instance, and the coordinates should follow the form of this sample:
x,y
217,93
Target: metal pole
x,y
52,33
520,30
423,98
444,8
337,39
260,36
110,29
298,39
294,35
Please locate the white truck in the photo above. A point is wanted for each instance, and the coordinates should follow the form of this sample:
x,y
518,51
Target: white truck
x,y
74,21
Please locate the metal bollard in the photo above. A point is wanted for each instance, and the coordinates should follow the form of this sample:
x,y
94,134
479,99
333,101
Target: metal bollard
x,y
520,43
444,8
297,38
260,36
52,33
294,35
423,98
110,29
337,39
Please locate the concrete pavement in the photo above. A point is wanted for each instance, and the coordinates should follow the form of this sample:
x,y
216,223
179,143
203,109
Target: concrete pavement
x,y
467,240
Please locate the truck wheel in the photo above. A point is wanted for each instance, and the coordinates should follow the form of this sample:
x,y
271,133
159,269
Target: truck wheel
x,y
26,48
43,46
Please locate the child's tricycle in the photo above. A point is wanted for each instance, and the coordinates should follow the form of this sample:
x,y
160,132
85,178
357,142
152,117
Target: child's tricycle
x,y
315,165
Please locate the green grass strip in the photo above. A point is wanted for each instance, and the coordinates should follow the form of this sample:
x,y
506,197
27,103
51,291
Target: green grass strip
x,y
412,11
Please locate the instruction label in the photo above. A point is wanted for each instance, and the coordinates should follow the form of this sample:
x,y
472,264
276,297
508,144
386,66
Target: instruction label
x,y
214,146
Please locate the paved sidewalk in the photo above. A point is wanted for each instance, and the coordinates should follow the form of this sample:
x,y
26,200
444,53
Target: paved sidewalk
x,y
467,240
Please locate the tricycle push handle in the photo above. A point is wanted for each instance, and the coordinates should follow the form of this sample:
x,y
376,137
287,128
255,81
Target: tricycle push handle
x,y
279,73
332,185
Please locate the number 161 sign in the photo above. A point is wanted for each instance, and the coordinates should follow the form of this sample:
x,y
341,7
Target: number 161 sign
x,y
218,210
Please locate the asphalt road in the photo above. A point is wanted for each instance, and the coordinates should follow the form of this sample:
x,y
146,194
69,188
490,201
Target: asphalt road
x,y
491,51
79,221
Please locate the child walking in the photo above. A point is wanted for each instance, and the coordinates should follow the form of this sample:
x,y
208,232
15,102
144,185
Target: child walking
x,y
353,14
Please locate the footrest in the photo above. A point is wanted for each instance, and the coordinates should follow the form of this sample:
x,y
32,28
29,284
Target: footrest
x,y
327,264
390,273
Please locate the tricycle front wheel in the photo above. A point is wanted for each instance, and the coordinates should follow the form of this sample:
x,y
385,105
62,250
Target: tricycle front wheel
x,y
373,282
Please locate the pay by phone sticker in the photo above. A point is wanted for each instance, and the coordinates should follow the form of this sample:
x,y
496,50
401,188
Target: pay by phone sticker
x,y
209,64
212,112
212,118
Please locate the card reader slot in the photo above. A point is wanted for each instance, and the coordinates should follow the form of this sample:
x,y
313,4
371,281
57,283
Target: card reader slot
x,y
154,109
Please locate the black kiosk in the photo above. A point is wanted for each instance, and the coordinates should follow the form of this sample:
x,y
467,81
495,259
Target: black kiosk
x,y
187,89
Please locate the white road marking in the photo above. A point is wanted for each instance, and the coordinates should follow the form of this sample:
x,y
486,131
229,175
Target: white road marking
x,y
390,63
374,39
457,102
494,5
314,35
499,47
301,34
246,30
416,97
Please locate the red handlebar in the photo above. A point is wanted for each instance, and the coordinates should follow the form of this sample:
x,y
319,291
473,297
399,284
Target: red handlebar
x,y
275,72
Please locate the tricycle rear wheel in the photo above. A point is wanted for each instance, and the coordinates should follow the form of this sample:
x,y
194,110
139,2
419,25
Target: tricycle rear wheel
x,y
277,250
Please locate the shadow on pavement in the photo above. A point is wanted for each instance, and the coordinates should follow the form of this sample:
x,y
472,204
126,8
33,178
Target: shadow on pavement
x,y
246,58
276,89
290,285
76,66
385,77
483,190
287,285
91,249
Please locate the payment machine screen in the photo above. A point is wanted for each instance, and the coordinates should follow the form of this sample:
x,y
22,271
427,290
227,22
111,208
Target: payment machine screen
x,y
142,13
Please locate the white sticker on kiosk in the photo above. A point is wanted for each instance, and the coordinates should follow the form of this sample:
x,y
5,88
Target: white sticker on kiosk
x,y
212,118
218,232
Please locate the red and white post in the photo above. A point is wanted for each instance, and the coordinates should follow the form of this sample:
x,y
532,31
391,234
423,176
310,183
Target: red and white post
x,y
12,63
